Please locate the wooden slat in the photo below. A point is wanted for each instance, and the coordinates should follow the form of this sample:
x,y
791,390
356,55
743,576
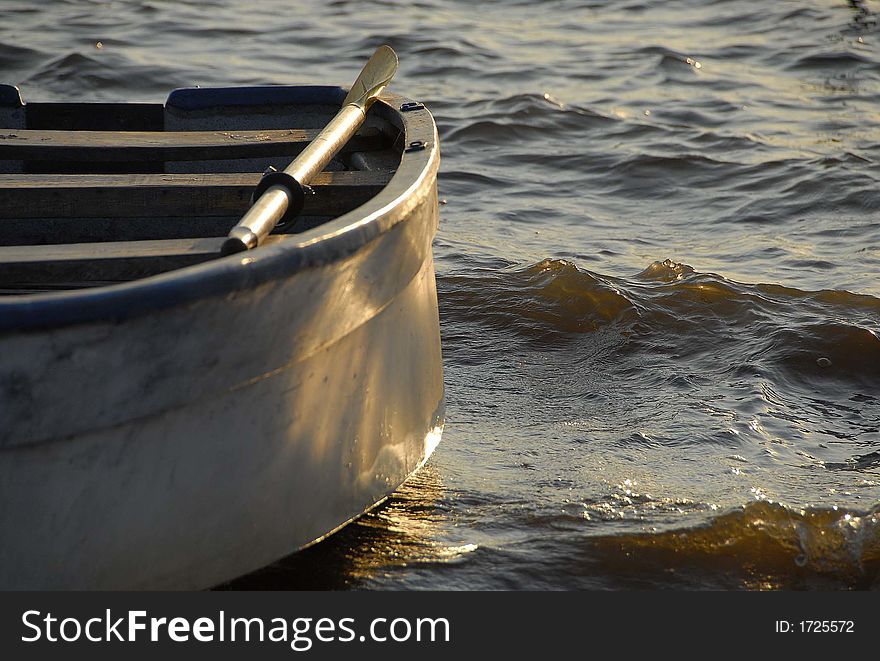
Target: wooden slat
x,y
137,195
70,252
50,230
20,289
134,146
77,265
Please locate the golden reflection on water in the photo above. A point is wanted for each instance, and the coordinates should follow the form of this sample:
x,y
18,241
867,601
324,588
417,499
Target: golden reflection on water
x,y
401,532
404,531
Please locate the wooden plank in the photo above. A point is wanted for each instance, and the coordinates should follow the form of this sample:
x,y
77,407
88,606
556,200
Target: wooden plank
x,y
77,265
69,252
133,146
50,230
21,289
131,195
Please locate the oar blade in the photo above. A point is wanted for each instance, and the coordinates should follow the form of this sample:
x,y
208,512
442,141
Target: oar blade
x,y
374,77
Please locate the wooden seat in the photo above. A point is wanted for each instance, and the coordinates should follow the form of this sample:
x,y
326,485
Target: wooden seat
x,y
135,146
28,269
35,196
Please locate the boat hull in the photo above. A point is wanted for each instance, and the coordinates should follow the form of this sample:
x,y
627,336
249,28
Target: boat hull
x,y
189,442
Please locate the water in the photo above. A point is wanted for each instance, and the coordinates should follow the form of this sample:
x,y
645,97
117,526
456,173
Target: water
x,y
657,273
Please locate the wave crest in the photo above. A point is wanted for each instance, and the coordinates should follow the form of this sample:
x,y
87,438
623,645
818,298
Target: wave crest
x,y
764,544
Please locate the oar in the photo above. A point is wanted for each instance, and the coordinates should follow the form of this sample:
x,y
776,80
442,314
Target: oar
x,y
279,195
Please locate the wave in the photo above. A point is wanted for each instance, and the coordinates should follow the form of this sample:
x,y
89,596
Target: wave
x,y
808,335
523,118
16,57
552,296
762,544
98,74
832,61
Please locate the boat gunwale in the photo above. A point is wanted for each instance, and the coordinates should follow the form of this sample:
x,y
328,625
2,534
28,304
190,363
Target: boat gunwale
x,y
319,246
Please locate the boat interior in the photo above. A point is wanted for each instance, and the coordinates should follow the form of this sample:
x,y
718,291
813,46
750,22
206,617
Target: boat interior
x,y
93,194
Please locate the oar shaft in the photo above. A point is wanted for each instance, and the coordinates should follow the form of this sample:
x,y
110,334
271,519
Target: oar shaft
x,y
321,150
270,207
259,221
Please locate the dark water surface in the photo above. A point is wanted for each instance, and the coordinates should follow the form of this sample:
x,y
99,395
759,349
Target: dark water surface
x,y
657,269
